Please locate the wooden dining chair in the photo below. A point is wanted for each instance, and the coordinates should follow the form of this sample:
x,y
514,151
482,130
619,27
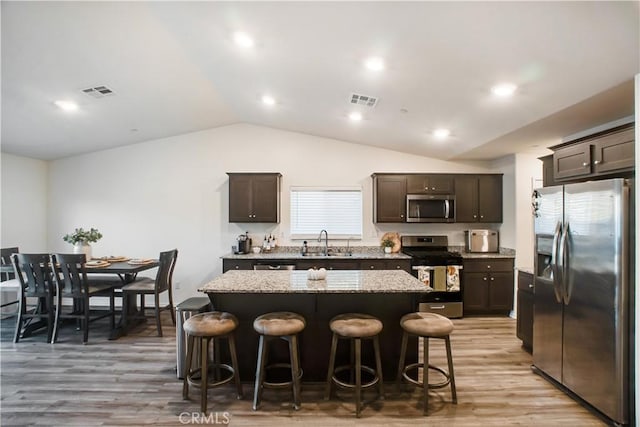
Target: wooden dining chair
x,y
71,279
8,281
34,276
147,286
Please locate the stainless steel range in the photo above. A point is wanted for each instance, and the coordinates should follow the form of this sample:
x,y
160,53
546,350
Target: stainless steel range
x,y
439,269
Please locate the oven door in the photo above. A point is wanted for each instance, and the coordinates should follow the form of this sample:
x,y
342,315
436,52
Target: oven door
x,y
426,208
445,293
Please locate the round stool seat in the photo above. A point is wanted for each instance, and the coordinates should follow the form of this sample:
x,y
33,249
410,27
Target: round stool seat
x,y
279,324
426,324
355,325
215,323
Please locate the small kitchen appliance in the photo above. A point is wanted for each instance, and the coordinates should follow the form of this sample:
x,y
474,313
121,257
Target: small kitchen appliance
x,y
244,244
482,240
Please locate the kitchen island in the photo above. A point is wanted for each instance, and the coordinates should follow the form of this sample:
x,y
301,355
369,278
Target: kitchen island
x,y
386,294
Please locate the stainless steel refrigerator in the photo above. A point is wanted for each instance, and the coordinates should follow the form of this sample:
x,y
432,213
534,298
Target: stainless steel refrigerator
x,y
582,332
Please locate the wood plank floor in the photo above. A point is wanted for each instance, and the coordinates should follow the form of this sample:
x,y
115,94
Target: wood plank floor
x,y
132,382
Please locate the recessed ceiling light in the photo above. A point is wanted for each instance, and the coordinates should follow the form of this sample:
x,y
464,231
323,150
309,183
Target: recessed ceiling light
x,y
355,116
441,133
374,63
268,100
243,39
66,105
504,90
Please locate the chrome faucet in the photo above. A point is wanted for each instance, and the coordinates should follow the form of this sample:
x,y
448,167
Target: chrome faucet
x,y
326,241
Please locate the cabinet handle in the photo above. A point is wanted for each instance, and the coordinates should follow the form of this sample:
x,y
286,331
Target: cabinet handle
x,y
492,279
585,164
398,267
475,216
484,278
433,188
595,162
401,216
371,267
481,216
530,286
488,266
237,267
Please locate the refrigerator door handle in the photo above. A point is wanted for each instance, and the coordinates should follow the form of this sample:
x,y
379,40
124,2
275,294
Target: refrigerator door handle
x,y
567,285
555,267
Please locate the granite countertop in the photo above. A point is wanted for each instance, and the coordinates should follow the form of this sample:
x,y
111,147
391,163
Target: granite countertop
x,y
294,253
502,253
296,281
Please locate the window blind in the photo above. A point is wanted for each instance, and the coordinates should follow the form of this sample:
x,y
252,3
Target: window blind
x,y
337,210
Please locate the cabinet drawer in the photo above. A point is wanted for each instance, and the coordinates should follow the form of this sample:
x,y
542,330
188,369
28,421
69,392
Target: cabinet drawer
x,y
488,265
525,282
236,264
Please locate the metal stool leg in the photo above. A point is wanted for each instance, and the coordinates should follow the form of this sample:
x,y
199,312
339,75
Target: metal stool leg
x,y
234,363
257,392
332,366
358,351
204,344
452,381
187,368
295,369
376,350
403,356
425,376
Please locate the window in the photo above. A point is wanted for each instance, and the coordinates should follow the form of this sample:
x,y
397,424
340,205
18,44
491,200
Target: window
x,y
337,210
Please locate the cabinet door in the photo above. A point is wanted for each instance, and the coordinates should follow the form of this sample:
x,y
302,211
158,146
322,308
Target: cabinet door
x,y
614,152
475,292
489,198
547,171
400,264
501,291
429,184
264,198
240,198
524,328
466,198
374,264
572,161
343,265
391,195
305,265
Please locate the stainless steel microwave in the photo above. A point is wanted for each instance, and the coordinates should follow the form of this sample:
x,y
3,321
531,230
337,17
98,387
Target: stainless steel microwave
x,y
431,208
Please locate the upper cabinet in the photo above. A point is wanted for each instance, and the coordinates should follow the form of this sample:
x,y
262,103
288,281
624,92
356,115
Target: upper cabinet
x,y
478,198
254,197
429,184
602,154
389,198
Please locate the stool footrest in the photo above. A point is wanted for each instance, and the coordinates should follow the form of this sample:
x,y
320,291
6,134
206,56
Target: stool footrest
x,y
343,384
283,384
416,366
195,377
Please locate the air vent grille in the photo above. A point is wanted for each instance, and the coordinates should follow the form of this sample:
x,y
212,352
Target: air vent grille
x,y
98,91
364,100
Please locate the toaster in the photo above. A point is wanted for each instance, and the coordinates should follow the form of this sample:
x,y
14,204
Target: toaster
x,y
482,240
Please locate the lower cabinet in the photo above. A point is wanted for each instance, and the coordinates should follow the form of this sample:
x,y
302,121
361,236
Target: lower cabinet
x,y
524,329
487,286
329,264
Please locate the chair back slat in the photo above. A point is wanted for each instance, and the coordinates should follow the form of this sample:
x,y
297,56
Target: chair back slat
x,y
5,259
70,273
167,263
34,273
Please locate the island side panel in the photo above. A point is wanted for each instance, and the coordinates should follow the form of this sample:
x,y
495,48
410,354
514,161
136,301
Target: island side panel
x,y
315,341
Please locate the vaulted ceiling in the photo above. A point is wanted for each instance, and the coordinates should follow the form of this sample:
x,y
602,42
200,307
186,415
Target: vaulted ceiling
x,y
174,68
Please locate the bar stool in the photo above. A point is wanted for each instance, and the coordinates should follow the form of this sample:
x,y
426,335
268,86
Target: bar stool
x,y
286,326
207,327
355,327
426,325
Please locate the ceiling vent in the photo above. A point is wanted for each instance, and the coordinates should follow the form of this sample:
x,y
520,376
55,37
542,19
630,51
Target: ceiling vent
x,y
364,100
98,91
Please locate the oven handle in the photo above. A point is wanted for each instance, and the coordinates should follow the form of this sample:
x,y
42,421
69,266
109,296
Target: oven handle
x,y
446,209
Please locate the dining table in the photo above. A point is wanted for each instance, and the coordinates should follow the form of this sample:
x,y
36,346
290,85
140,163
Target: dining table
x,y
126,272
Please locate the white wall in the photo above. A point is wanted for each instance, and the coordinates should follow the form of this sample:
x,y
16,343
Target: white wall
x,y
24,185
174,192
527,169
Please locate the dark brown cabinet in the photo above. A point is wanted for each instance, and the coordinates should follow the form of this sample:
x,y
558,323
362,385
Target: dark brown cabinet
x,y
547,170
488,286
478,198
254,197
593,156
390,198
237,264
429,184
380,264
524,328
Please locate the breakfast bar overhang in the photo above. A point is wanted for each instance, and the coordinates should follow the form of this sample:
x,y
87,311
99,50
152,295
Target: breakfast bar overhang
x,y
385,294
